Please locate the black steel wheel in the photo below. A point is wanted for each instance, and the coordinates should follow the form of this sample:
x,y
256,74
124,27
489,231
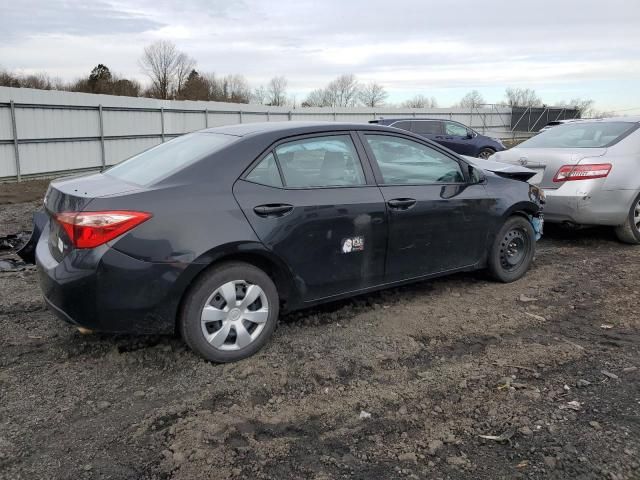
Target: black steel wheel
x,y
513,250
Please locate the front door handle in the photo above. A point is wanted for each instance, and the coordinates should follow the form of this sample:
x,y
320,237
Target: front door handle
x,y
273,210
401,203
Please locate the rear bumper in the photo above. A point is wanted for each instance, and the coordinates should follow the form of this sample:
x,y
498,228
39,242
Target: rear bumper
x,y
105,290
587,205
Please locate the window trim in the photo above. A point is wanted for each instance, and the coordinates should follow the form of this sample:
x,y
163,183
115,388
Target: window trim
x,y
464,166
369,176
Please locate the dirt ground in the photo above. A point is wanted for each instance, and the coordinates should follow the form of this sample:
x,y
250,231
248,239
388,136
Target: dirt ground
x,y
399,384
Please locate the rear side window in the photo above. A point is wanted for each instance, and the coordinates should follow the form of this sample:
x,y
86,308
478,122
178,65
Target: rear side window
x,y
404,125
161,161
403,161
266,172
580,135
426,127
320,162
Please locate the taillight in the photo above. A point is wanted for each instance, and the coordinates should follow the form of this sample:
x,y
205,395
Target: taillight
x,y
90,229
582,172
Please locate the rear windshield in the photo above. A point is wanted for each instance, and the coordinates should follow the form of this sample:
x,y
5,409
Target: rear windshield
x,y
161,161
580,135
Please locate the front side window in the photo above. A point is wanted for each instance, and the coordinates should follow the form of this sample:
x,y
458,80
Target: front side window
x,y
455,129
159,162
580,135
403,161
266,172
329,161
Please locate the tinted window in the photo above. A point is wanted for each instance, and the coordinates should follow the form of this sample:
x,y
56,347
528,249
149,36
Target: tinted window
x,y
426,127
455,129
404,125
320,162
404,161
159,162
580,135
266,172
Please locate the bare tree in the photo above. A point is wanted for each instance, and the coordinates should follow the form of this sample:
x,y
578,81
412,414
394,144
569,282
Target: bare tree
x,y
317,98
583,105
521,97
259,95
277,91
343,91
372,95
420,101
185,65
473,99
166,67
235,89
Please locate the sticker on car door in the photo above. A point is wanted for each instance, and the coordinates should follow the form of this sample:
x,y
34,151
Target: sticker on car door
x,y
353,244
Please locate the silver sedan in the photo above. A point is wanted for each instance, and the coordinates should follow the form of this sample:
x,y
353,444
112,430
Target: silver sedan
x,y
590,172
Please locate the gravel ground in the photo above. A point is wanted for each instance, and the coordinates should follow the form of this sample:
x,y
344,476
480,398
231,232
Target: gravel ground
x,y
399,384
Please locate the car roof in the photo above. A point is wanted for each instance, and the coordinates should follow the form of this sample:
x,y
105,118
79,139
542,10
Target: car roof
x,y
290,128
398,119
629,119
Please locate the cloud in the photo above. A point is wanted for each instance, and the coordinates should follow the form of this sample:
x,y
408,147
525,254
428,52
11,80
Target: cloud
x,y
409,45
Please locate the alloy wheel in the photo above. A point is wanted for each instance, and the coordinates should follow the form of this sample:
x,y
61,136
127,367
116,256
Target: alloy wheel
x,y
636,216
234,315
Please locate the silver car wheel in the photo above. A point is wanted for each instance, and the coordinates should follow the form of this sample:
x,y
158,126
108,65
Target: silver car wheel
x,y
636,216
234,315
485,154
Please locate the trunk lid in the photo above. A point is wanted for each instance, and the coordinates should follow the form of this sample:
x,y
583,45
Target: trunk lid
x,y
547,161
75,194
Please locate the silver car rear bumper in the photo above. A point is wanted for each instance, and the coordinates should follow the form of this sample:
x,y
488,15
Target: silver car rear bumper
x,y
584,203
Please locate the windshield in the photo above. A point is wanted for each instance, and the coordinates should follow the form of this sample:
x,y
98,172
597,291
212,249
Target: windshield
x,y
161,161
580,135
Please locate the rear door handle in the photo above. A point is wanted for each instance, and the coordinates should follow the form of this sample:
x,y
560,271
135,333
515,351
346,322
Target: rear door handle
x,y
273,210
401,203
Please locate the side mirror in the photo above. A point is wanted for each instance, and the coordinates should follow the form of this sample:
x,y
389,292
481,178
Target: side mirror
x,y
476,175
470,134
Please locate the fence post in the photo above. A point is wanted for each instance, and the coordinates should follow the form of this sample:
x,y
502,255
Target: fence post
x,y
206,118
240,112
162,123
15,140
335,116
290,115
268,116
102,154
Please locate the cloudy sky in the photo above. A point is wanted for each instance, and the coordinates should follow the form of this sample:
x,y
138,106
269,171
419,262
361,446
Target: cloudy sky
x,y
561,48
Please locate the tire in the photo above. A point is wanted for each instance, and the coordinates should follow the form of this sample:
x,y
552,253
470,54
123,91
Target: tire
x,y
629,232
485,153
229,334
513,250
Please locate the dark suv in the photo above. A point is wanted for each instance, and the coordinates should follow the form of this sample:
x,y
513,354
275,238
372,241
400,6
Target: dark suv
x,y
453,135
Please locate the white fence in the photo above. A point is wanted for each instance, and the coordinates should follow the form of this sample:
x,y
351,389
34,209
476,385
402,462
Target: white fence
x,y
52,132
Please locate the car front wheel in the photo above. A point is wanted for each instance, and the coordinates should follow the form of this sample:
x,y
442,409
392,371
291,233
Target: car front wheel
x,y
486,153
512,250
230,312
629,232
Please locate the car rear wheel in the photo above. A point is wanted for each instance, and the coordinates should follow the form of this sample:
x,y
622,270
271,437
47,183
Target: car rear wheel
x,y
486,153
629,232
230,312
512,250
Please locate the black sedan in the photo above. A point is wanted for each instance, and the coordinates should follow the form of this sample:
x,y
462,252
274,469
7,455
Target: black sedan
x,y
214,233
